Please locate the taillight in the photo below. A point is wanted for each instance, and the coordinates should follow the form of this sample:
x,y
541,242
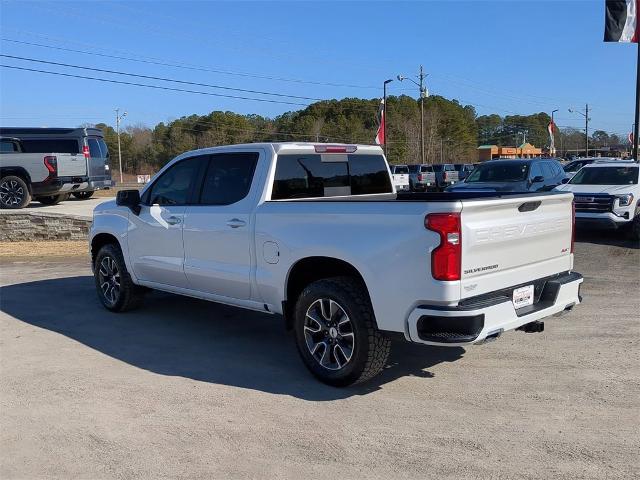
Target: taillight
x,y
419,177
445,176
85,152
52,164
573,226
446,259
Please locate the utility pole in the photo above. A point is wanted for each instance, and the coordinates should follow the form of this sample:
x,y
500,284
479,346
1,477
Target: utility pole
x,y
423,94
586,127
118,119
552,140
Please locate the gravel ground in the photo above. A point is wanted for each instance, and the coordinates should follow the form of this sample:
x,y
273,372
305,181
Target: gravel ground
x,y
188,389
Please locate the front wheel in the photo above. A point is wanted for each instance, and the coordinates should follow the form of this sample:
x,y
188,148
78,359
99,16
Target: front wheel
x,y
336,333
53,199
116,290
83,195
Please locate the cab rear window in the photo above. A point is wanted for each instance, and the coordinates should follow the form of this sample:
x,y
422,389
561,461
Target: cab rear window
x,y
50,146
330,175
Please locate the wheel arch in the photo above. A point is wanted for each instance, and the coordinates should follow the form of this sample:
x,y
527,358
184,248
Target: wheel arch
x,y
100,240
309,269
18,172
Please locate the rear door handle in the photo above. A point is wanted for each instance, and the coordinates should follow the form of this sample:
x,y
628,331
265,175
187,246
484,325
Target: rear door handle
x,y
174,220
236,223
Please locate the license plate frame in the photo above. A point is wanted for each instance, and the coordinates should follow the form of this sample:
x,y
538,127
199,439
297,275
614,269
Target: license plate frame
x,y
523,296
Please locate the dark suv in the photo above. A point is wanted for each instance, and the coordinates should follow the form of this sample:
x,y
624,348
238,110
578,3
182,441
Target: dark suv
x,y
517,175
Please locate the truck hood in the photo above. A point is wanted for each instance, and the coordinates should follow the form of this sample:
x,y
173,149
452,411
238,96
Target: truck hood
x,y
612,189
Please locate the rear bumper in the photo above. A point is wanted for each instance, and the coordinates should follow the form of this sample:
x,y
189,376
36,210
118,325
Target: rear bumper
x,y
491,315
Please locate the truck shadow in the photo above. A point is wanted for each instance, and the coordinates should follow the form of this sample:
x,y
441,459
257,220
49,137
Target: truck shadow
x,y
208,342
613,238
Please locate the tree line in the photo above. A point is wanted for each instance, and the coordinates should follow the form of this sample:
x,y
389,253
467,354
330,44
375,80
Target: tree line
x,y
452,131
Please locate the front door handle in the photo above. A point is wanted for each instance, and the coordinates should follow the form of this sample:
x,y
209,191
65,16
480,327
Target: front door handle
x,y
174,220
236,223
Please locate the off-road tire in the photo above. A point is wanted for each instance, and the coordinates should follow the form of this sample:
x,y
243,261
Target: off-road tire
x,y
130,295
53,199
83,195
370,347
14,192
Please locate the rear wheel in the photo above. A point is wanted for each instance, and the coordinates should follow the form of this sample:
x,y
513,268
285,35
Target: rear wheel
x,y
53,199
83,195
14,192
336,333
116,290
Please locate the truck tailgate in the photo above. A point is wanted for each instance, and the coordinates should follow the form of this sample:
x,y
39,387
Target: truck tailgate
x,y
70,165
512,241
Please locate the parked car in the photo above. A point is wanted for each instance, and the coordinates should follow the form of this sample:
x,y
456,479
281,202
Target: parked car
x,y
87,142
446,175
315,232
421,178
607,195
572,167
527,175
463,169
46,177
400,176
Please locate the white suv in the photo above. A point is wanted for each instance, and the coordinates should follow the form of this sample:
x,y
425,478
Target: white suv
x,y
607,195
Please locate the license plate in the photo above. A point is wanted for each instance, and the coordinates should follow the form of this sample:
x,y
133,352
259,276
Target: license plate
x,y
523,297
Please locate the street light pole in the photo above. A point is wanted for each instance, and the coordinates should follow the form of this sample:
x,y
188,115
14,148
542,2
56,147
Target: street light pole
x,y
384,114
586,127
118,119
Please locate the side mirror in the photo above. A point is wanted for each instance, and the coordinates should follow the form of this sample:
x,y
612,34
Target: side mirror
x,y
565,180
129,199
537,179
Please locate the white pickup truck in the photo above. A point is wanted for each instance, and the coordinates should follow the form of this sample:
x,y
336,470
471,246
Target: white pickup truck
x,y
316,233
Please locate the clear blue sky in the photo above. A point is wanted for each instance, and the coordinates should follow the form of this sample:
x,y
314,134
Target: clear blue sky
x,y
502,56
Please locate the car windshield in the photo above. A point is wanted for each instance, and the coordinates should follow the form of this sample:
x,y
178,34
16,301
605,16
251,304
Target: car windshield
x,y
499,172
606,176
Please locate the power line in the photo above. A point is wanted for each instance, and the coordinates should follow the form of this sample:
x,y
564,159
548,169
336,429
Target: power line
x,y
157,87
168,63
164,79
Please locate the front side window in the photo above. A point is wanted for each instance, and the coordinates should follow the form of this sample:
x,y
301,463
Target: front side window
x,y
176,183
536,171
315,175
547,168
606,176
228,178
499,172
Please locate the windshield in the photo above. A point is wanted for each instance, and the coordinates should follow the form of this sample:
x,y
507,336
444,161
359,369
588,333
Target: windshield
x,y
499,172
606,176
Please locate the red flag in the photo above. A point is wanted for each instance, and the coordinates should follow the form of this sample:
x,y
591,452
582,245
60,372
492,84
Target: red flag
x,y
630,138
380,134
552,141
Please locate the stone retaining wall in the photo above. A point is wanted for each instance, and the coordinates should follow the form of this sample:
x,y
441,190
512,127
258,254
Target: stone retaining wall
x,y
17,227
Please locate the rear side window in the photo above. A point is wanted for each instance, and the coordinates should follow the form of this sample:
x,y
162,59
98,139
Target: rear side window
x,y
315,175
51,146
94,148
8,147
228,178
103,148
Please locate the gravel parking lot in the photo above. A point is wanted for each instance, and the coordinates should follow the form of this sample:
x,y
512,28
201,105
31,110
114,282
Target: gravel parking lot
x,y
188,389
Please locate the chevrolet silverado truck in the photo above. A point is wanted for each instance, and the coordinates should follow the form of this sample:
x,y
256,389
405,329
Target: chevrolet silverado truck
x,y
316,233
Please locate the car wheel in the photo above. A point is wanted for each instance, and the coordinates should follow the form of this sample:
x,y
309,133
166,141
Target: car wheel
x,y
53,199
635,227
336,333
83,195
14,192
116,290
